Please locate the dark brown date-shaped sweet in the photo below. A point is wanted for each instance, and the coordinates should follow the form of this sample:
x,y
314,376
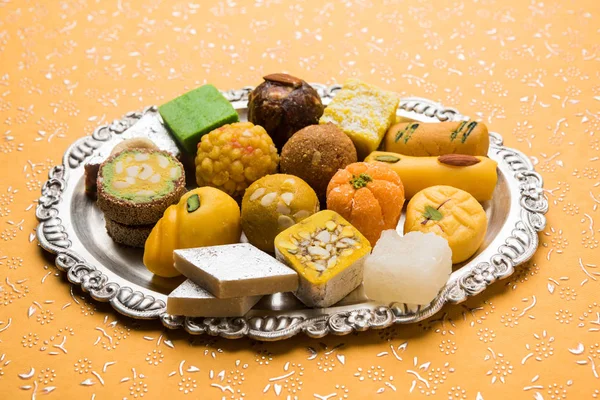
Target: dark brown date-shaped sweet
x,y
284,104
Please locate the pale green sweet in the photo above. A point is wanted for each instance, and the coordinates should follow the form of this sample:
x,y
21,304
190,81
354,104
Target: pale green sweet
x,y
196,113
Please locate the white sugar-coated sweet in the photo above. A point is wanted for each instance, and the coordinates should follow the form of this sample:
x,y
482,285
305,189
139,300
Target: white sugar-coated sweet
x,y
407,269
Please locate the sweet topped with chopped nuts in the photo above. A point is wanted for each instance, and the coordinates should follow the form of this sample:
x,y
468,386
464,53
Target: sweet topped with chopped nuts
x,y
141,176
135,186
321,248
273,204
327,252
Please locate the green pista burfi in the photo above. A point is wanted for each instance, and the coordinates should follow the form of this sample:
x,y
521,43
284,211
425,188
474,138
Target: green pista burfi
x,y
196,113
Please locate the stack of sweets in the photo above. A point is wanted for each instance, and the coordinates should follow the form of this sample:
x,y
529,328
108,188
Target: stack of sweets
x,y
226,281
135,186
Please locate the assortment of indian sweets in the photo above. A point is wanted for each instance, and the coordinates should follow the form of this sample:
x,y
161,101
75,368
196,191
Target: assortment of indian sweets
x,y
301,198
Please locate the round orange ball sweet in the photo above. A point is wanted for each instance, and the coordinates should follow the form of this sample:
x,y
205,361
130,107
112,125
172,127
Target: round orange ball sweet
x,y
369,196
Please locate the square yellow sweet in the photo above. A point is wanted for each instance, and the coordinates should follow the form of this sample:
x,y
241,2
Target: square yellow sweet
x,y
364,112
327,252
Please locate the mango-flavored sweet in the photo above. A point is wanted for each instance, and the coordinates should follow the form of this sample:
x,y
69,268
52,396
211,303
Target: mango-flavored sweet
x,y
203,217
407,269
233,156
474,174
196,113
273,204
235,270
136,186
328,254
364,112
450,213
370,196
315,154
284,104
421,139
191,300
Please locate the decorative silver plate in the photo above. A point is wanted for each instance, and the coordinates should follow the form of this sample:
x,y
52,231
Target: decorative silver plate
x,y
72,227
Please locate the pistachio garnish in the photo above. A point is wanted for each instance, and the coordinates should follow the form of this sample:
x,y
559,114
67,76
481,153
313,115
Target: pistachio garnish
x,y
193,203
387,159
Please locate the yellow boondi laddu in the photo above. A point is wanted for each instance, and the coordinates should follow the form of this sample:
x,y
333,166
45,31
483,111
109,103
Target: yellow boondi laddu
x,y
364,112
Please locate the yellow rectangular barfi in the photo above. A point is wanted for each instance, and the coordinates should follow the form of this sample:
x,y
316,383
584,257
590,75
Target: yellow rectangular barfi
x,y
327,253
364,112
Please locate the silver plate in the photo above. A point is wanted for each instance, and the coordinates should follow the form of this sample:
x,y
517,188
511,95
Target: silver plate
x,y
73,228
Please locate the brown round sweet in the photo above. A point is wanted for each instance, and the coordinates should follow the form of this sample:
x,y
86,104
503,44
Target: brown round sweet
x,y
315,154
284,104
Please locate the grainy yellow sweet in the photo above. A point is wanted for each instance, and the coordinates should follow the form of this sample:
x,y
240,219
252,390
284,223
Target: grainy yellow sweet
x,y
450,213
233,156
364,112
418,173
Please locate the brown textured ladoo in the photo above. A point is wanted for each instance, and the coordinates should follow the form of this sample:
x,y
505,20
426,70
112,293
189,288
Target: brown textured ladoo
x,y
284,104
316,153
128,235
140,211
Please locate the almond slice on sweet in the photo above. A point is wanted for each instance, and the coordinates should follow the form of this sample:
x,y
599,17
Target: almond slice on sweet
x,y
458,160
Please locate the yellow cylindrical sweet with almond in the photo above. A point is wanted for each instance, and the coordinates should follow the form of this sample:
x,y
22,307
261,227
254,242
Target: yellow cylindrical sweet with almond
x,y
422,139
475,175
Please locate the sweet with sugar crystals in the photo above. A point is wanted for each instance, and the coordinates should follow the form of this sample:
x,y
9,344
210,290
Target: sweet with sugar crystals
x,y
409,269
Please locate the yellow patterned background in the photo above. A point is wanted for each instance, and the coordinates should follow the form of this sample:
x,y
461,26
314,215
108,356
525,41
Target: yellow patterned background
x,y
529,69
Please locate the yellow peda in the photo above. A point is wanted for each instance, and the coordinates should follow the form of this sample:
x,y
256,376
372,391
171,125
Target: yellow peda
x,y
450,213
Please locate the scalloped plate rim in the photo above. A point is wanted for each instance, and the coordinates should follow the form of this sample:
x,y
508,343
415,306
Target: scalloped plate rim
x,y
133,302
